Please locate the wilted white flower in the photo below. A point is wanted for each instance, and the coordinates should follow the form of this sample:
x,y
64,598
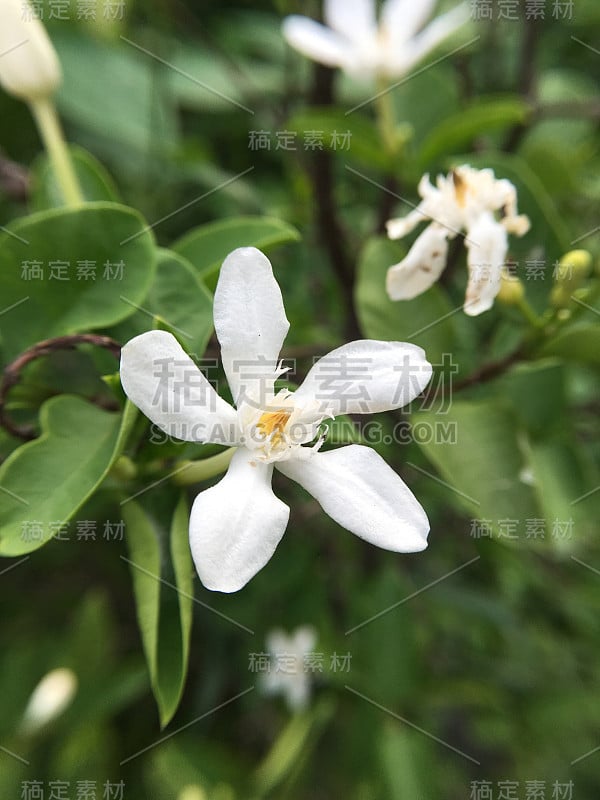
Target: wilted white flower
x,y
288,674
353,41
467,199
49,699
236,525
29,66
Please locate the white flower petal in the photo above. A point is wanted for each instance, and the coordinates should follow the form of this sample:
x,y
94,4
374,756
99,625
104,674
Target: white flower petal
x,y
438,30
422,266
317,42
399,227
354,19
236,525
250,323
487,245
403,18
365,377
304,640
29,66
362,493
165,384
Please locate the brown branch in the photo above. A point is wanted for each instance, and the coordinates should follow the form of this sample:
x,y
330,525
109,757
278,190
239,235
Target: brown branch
x,y
12,373
490,371
331,234
14,180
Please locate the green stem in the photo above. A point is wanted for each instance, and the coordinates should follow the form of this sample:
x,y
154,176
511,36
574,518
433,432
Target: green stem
x,y
529,314
190,472
386,120
48,124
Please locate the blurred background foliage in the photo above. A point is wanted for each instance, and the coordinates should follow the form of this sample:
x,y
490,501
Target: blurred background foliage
x,y
499,660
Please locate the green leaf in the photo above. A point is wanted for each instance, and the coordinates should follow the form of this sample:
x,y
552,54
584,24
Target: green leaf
x,y
570,506
207,246
97,234
422,321
128,113
46,481
164,618
95,182
292,746
178,301
459,130
364,142
576,344
484,464
538,396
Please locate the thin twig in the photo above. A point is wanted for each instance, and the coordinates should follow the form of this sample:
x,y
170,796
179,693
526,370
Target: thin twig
x,y
12,373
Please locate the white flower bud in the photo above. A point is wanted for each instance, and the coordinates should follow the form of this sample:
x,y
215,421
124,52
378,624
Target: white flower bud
x,y
29,66
49,699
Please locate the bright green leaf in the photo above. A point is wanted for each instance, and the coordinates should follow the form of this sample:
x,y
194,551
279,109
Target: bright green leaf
x,y
47,480
164,617
207,246
94,180
42,307
178,300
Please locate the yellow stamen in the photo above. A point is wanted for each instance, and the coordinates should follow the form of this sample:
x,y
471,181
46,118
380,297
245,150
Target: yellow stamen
x,y
272,423
460,188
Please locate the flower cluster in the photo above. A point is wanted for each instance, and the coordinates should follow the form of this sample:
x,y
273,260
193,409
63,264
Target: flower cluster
x,y
467,199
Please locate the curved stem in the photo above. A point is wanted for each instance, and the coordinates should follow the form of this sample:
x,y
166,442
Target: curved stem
x,y
190,472
50,130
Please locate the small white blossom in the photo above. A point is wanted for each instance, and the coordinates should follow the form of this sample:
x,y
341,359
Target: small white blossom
x,y
288,674
236,525
468,200
29,66
354,41
49,699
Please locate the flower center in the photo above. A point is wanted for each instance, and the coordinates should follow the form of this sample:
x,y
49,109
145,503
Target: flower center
x,y
460,188
272,424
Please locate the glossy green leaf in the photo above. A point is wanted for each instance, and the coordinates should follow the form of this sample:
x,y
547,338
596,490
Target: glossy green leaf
x,y
423,321
576,344
164,617
41,301
45,481
483,468
177,301
207,246
94,180
455,133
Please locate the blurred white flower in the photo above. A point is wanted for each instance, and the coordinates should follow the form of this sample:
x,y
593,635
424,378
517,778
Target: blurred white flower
x,y
236,525
29,66
467,199
288,674
49,699
353,41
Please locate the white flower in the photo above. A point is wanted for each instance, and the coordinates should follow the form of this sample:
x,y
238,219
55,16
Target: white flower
x,y
29,66
236,525
467,199
355,42
49,699
288,673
